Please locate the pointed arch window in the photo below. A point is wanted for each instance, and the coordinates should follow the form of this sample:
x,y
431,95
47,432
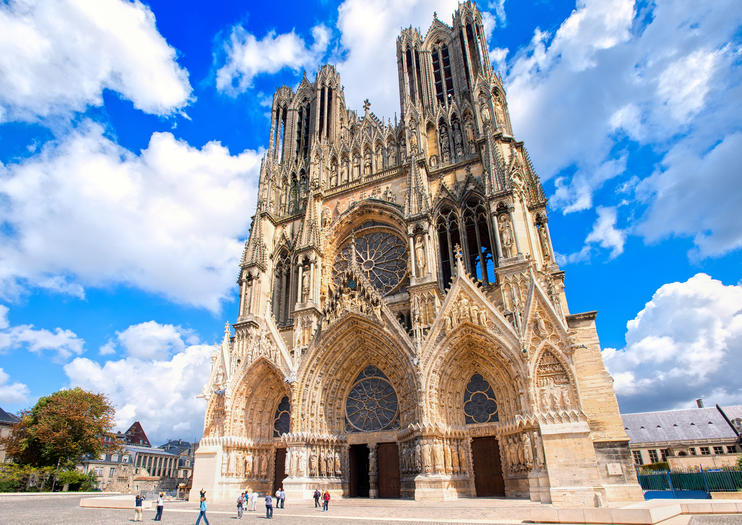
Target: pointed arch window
x,y
282,289
480,404
442,74
282,418
447,225
371,404
480,259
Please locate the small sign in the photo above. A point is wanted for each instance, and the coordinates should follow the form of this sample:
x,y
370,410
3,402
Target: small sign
x,y
614,469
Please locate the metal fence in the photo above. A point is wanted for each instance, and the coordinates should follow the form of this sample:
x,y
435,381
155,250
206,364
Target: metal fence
x,y
691,484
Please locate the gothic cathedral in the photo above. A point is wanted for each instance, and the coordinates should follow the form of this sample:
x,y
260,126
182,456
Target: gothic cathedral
x,y
403,329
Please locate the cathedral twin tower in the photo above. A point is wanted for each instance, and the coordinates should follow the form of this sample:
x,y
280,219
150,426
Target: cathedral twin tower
x,y
403,329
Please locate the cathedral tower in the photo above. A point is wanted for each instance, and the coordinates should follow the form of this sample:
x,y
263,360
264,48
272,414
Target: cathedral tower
x,y
403,329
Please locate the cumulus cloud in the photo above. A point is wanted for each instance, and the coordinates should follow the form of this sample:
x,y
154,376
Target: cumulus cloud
x,y
61,343
167,220
58,57
653,73
245,56
153,340
160,393
12,393
685,343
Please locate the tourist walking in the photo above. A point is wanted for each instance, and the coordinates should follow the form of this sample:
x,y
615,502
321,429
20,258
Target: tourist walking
x,y
160,505
253,501
240,505
268,506
138,507
281,497
202,508
317,495
325,501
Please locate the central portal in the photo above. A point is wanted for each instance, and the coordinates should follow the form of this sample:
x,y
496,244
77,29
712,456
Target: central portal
x,y
358,482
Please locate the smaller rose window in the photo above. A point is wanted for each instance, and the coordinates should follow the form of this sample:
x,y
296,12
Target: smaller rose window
x,y
380,255
480,405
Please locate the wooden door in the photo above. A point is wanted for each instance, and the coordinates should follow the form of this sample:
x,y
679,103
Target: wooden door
x,y
488,479
387,461
279,474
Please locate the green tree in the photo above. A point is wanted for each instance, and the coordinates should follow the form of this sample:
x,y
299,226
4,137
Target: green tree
x,y
61,428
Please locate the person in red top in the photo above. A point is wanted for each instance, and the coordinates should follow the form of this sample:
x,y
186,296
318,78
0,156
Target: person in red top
x,y
325,500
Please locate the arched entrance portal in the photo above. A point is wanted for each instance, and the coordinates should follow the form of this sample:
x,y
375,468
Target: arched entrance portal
x,y
476,389
372,410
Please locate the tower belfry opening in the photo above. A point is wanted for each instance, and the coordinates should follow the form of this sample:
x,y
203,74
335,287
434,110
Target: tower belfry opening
x,y
403,327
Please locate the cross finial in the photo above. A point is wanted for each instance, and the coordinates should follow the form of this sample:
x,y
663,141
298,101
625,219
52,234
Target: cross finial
x,y
366,105
435,15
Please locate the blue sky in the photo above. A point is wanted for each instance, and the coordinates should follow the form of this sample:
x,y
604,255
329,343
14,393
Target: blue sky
x,y
131,137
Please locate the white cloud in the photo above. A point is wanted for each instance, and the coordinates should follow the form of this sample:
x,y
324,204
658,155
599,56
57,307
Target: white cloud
x,y
246,57
168,220
153,340
685,343
12,393
58,57
160,393
697,194
653,73
63,343
604,232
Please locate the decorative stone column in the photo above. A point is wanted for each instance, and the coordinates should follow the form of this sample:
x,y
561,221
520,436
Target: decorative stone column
x,y
373,489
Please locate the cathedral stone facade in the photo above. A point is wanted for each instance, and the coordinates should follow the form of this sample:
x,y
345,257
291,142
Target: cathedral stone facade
x,y
403,329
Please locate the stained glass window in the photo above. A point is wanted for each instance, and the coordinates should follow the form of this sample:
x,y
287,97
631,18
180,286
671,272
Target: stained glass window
x,y
372,403
480,405
380,255
282,418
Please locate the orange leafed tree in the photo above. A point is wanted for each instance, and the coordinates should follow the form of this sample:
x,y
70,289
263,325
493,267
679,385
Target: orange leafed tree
x,y
61,428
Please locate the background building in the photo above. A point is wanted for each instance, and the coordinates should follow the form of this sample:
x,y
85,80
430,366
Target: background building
x,y
134,468
685,438
403,329
7,421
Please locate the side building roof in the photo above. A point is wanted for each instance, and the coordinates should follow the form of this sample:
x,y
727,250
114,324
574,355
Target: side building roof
x,y
694,424
8,418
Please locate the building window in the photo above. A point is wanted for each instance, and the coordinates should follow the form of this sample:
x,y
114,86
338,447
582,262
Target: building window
x,y
637,457
125,459
653,457
372,403
692,451
732,449
111,472
480,405
98,471
705,451
281,418
718,450
665,452
115,458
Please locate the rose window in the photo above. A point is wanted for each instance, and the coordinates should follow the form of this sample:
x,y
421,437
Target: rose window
x,y
372,403
380,255
480,405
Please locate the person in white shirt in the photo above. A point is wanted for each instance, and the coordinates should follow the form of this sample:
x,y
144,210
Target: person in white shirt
x,y
160,505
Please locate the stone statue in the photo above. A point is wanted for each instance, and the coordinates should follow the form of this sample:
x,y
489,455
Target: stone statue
x,y
506,237
445,148
305,285
544,242
527,450
313,464
338,467
326,217
420,259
